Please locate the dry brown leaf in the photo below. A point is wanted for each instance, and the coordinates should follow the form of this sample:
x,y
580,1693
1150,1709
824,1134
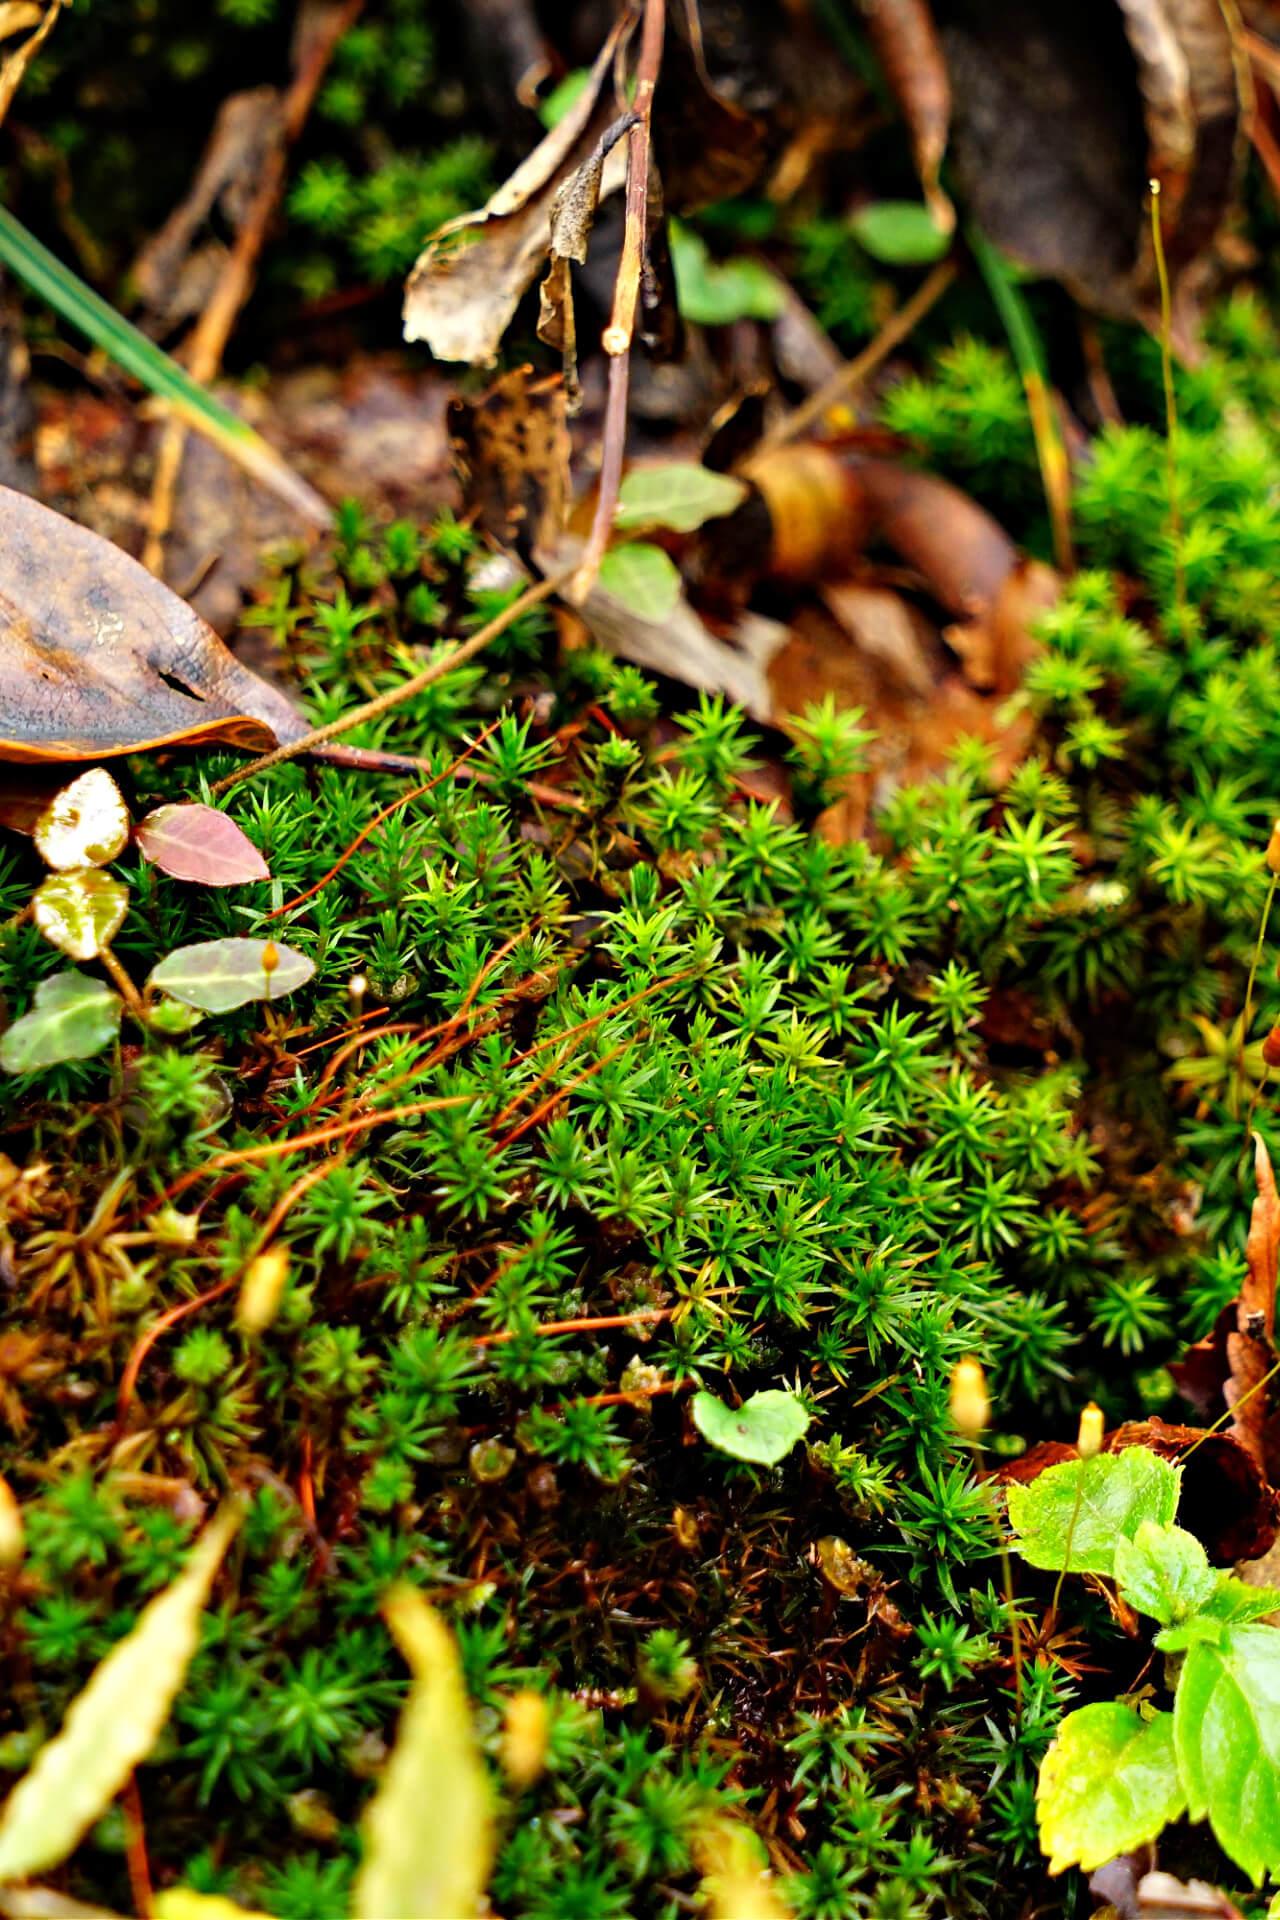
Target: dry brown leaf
x,y
707,147
14,66
573,213
98,658
1162,1897
511,448
906,43
471,275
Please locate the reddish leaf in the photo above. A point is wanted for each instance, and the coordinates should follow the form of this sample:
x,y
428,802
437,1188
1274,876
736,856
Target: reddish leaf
x,y
200,844
98,658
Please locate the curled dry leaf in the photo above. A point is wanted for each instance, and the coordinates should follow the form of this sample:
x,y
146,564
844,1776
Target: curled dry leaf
x,y
85,825
469,280
511,449
80,912
98,658
573,213
906,44
200,844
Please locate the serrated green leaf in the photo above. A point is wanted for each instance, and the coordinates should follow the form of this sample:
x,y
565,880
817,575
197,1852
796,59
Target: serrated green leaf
x,y
1164,1572
1237,1602
73,1018
113,1723
85,825
1108,1783
1226,1716
436,1867
763,1429
641,578
1116,1493
902,233
217,975
80,912
676,494
1201,1627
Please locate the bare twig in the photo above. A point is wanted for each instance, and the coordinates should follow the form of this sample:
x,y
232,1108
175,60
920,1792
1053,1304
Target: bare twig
x,y
466,650
620,331
211,332
895,330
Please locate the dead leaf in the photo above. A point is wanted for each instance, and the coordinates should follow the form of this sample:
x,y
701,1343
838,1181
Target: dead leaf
x,y
707,147
511,449
98,658
910,54
1162,1897
14,66
470,277
573,213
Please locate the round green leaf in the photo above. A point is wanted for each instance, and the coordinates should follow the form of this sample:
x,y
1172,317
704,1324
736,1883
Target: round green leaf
x,y
80,912
899,232
1109,1783
1073,1515
217,975
641,578
73,1018
678,495
85,825
763,1429
712,293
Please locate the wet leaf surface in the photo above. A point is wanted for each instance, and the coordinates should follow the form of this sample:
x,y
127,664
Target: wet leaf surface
x,y
80,912
86,824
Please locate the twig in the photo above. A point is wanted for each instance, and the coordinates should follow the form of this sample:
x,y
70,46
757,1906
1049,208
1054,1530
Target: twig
x,y
617,337
373,709
895,330
213,329
135,1847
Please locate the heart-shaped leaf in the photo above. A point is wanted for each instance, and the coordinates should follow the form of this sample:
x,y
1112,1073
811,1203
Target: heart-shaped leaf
x,y
80,912
763,1429
86,824
641,578
676,494
1075,1514
200,844
73,1018
217,975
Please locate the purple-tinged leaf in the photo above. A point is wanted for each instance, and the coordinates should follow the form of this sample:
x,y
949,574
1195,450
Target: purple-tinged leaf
x,y
200,844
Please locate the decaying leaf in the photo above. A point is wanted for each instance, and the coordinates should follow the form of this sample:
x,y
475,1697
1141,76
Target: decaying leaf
x,y
14,66
80,912
511,449
112,1724
1162,1897
906,43
573,213
436,1868
98,658
469,280
200,844
85,825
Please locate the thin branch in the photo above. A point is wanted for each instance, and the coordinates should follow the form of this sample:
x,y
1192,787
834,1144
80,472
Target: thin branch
x,y
617,337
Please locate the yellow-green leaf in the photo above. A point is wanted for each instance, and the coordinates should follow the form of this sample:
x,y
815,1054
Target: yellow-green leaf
x,y
434,1868
113,1723
85,825
180,1903
80,912
736,1879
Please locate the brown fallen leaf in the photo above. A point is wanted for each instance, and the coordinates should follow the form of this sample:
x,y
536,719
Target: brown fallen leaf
x,y
1162,1897
98,658
511,451
473,272
573,213
906,44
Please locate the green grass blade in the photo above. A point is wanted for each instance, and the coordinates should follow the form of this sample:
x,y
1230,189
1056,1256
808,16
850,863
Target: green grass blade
x,y
156,370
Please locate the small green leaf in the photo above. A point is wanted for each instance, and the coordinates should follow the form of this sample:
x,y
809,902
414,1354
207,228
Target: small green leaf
x,y
712,293
1108,1783
85,825
1090,1505
1236,1602
899,232
678,495
1164,1572
80,912
112,1724
217,975
436,1868
1226,1716
641,578
73,1018
763,1429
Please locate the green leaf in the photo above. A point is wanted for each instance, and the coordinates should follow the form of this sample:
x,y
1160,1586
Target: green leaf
x,y
763,1429
80,912
217,975
1226,1716
73,1018
902,233
435,1868
84,825
1116,1492
113,1723
182,1903
1237,1602
1164,1572
1108,1783
676,494
641,578
712,293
